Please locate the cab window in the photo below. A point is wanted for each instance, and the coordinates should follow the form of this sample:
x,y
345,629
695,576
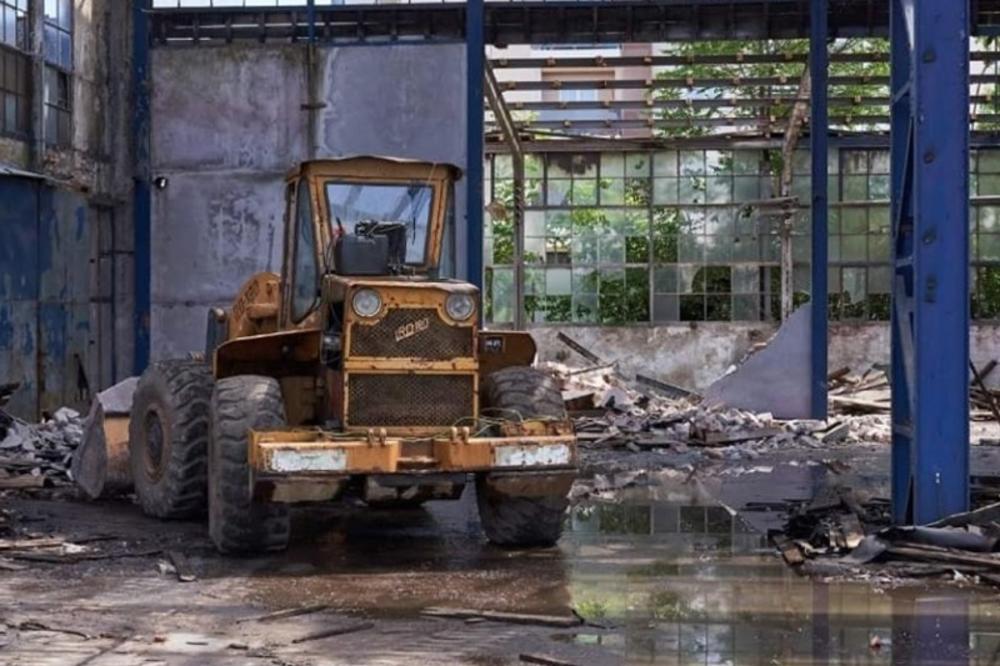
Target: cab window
x,y
305,280
408,203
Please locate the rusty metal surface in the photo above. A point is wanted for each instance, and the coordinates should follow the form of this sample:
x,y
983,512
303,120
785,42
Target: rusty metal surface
x,y
378,453
380,170
403,399
411,333
276,354
505,349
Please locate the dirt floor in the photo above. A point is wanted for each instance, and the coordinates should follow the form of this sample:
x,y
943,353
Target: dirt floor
x,y
667,562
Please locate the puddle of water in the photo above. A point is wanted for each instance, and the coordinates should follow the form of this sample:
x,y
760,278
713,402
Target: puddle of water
x,y
671,576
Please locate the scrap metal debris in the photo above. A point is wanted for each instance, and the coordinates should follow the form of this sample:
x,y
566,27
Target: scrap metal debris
x,y
839,535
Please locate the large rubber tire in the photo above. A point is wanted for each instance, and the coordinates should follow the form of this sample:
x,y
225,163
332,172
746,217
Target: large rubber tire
x,y
236,523
524,393
168,438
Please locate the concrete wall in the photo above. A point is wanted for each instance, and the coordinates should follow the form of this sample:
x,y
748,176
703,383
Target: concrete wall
x,y
229,122
694,355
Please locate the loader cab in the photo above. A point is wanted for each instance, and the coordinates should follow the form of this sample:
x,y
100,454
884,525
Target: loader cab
x,y
361,218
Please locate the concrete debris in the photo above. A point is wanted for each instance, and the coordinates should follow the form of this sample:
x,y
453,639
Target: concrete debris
x,y
37,455
782,365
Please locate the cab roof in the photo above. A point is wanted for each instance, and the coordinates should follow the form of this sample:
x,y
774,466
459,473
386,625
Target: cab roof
x,y
374,166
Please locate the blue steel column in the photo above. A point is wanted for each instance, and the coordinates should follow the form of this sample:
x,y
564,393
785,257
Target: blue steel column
x,y
818,130
930,219
475,57
141,224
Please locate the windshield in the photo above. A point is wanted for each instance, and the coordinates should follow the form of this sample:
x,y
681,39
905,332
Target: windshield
x,y
409,204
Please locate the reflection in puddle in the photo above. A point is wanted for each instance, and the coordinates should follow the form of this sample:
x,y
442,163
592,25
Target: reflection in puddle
x,y
664,578
692,584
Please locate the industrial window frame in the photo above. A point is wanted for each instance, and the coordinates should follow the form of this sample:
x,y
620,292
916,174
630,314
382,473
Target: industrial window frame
x,y
15,21
57,84
652,222
15,68
15,93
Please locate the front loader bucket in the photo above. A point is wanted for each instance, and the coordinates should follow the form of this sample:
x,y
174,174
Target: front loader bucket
x,y
101,462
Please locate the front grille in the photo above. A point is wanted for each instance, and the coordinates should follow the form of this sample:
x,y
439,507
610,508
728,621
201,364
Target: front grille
x,y
411,333
408,400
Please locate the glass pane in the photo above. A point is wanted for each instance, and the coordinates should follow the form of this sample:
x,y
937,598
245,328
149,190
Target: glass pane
x,y
612,165
558,192
666,308
534,223
665,191
612,192
351,204
665,280
692,163
690,248
746,279
665,164
305,282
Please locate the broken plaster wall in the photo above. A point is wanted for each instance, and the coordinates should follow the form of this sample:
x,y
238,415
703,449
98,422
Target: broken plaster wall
x,y
229,122
695,355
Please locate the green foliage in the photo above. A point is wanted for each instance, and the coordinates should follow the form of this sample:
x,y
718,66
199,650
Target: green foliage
x,y
707,81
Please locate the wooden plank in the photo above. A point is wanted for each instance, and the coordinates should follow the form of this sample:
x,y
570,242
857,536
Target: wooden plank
x,y
922,552
499,616
790,552
579,349
991,399
30,544
726,438
544,660
23,481
336,631
288,612
670,390
185,573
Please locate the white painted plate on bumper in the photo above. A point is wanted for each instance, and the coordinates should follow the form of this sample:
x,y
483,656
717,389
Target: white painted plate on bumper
x,y
531,456
292,460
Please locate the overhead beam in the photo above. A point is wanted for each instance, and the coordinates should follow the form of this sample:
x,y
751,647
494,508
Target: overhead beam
x,y
537,21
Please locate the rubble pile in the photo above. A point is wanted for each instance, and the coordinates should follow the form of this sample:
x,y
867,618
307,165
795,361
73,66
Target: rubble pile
x,y
36,455
646,414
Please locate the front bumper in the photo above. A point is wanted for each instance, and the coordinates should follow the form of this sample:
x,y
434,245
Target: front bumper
x,y
287,463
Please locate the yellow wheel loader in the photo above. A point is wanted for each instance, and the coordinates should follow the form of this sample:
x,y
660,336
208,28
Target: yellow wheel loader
x,y
357,370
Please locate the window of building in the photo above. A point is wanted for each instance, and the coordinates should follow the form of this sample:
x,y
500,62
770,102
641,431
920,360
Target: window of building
x,y
58,37
57,85
14,26
14,68
668,236
14,93
58,106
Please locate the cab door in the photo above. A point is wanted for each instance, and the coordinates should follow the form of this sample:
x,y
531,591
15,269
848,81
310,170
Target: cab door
x,y
300,275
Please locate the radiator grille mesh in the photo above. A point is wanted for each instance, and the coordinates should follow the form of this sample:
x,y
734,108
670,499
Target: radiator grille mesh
x,y
408,400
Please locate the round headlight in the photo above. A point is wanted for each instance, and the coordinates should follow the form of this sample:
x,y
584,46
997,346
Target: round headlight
x,y
366,302
460,306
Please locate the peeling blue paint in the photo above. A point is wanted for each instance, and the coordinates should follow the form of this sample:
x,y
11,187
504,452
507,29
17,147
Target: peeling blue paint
x,y
6,328
81,222
44,293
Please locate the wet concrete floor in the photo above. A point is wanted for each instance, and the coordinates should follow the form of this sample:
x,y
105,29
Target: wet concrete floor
x,y
664,575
